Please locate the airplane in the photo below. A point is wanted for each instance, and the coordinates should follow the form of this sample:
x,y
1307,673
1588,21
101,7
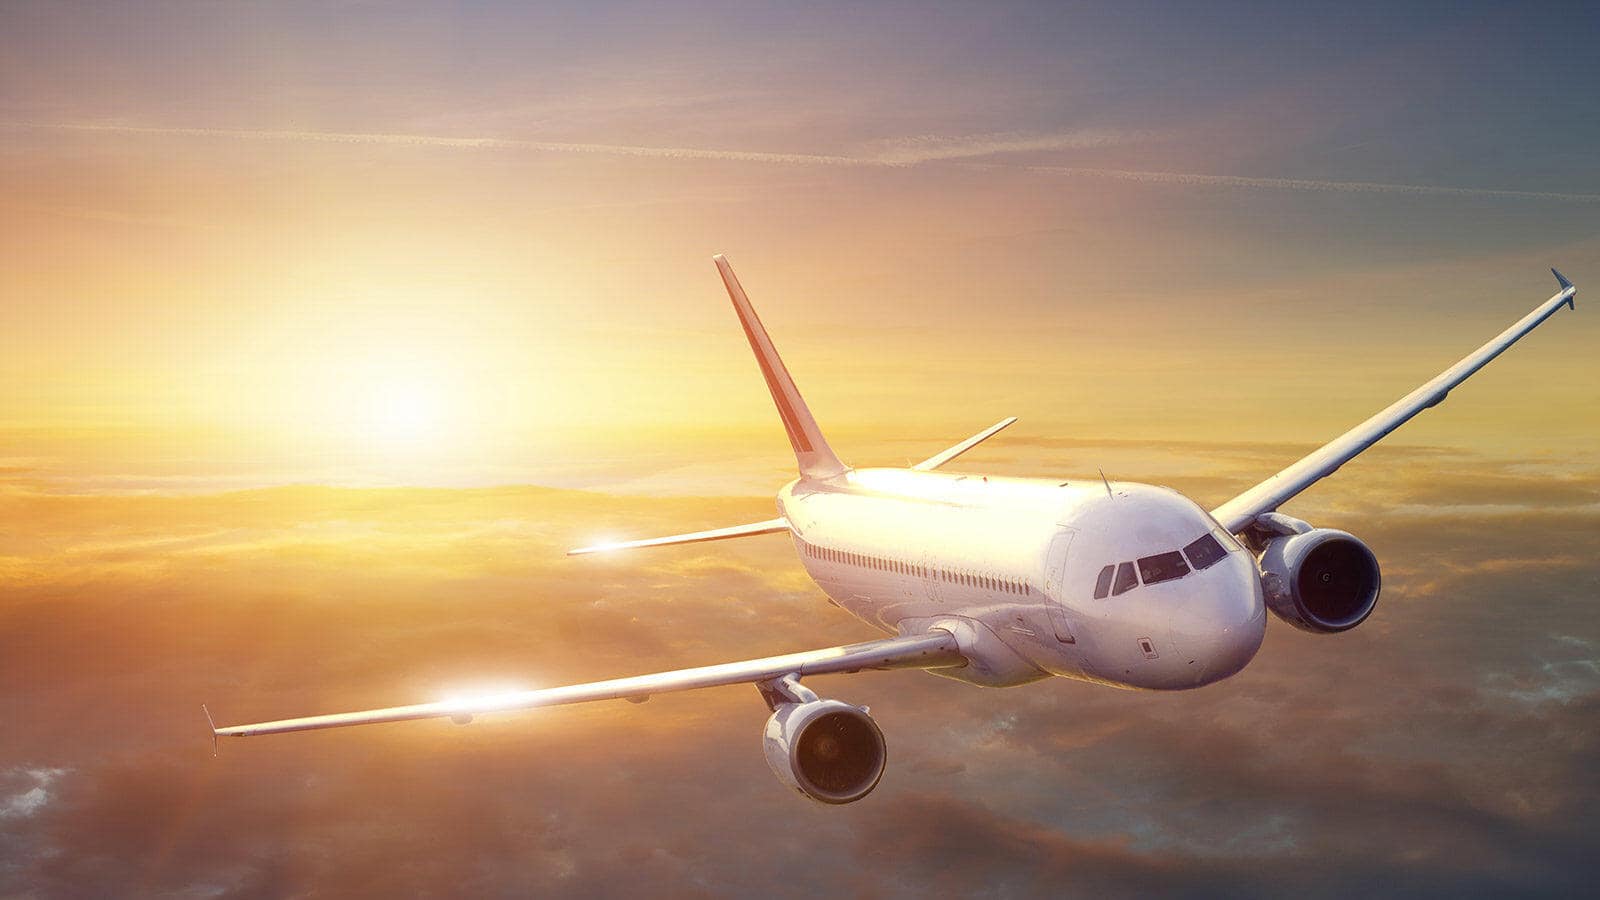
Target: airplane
x,y
1000,581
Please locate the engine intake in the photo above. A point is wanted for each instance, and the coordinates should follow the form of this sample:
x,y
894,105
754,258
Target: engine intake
x,y
827,750
1322,580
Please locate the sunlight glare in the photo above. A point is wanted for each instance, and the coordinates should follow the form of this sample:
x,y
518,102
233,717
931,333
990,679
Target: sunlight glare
x,y
403,410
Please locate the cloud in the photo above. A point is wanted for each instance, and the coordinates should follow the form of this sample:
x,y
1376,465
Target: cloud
x,y
32,786
1445,747
949,150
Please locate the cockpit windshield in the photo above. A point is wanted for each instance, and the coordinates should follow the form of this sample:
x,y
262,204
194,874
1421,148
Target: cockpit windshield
x,y
1201,553
1204,552
1126,580
1162,567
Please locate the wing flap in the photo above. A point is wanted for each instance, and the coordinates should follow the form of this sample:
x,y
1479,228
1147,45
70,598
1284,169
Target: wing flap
x,y
770,526
932,650
1237,514
944,456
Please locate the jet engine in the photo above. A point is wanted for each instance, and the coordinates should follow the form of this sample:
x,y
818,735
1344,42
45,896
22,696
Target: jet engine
x,y
1320,580
827,750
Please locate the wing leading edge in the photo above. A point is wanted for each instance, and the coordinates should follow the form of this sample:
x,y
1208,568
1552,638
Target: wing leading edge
x,y
935,649
1237,514
944,456
770,526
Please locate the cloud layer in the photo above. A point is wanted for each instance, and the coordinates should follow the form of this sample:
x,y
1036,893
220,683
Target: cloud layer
x,y
1444,748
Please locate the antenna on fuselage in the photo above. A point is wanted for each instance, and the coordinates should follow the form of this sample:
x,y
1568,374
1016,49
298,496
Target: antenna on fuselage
x,y
1106,483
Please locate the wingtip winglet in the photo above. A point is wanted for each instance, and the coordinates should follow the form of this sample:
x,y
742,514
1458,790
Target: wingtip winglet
x,y
213,723
1566,285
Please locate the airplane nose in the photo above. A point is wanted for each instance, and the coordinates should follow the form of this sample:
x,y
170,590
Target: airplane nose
x,y
1237,644
1227,630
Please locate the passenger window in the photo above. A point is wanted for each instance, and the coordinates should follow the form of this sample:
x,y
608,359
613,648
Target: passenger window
x,y
1102,585
1126,579
1204,552
1162,567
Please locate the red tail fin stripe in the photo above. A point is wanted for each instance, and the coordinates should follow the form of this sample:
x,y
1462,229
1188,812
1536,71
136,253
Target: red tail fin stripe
x,y
791,422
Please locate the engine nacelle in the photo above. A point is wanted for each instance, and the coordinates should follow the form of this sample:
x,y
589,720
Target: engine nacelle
x,y
827,750
1322,580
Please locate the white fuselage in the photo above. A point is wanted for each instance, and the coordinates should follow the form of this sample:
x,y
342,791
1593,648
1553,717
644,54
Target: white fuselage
x,y
1013,567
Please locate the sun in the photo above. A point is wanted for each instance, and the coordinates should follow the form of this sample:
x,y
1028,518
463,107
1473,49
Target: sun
x,y
402,410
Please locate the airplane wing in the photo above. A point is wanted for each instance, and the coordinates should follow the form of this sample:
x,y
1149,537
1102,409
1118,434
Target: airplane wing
x,y
942,457
770,526
1237,514
933,650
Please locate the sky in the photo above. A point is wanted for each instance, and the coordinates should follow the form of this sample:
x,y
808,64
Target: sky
x,y
324,328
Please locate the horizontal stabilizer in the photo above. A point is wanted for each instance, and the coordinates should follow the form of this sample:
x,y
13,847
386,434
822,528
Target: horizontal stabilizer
x,y
770,526
939,459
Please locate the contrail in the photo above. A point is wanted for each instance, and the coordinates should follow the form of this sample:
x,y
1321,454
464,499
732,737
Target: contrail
x,y
1305,184
424,140
922,151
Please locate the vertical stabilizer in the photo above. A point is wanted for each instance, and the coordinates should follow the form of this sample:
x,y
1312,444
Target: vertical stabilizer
x,y
810,447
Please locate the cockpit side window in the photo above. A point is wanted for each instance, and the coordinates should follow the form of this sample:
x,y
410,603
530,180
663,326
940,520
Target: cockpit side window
x,y
1204,552
1126,579
1102,585
1162,567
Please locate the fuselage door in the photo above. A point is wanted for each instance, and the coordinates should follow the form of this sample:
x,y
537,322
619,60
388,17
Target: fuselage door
x,y
1054,584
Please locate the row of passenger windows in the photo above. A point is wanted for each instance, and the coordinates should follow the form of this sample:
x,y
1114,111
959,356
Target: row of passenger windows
x,y
1119,578
884,564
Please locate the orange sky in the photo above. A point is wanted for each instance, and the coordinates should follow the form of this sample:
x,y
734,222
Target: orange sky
x,y
272,309
326,327
412,249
